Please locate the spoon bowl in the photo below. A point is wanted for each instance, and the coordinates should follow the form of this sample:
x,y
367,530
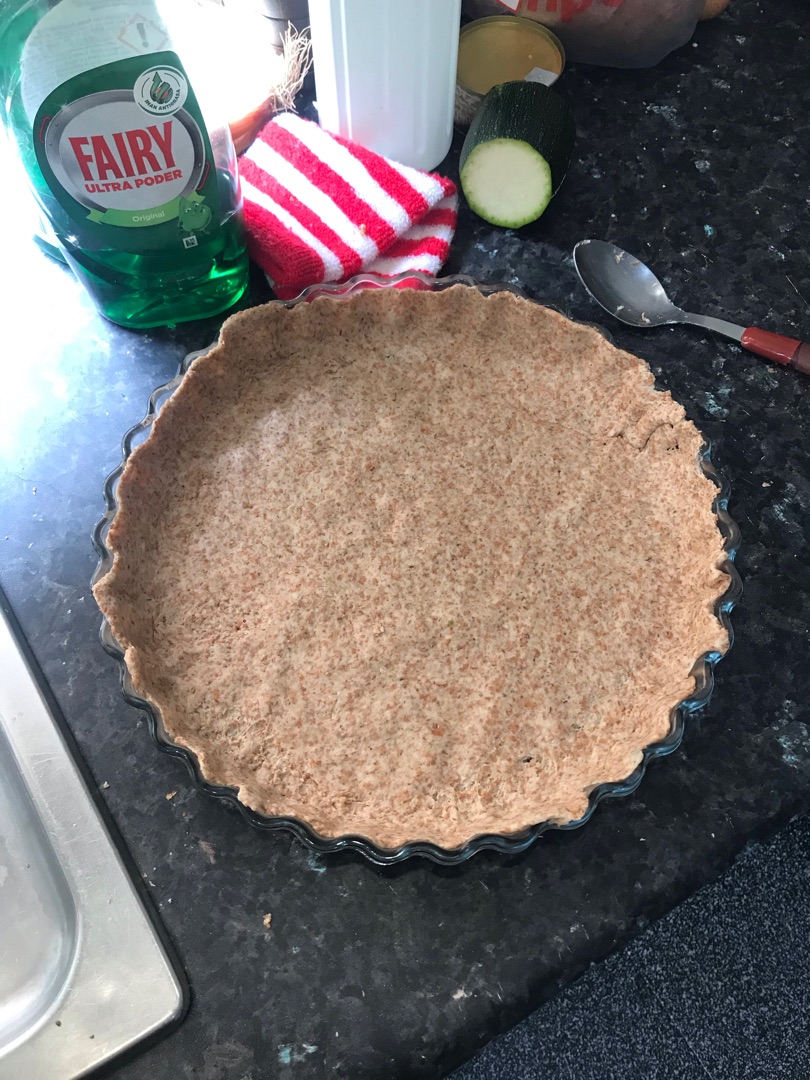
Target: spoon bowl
x,y
623,285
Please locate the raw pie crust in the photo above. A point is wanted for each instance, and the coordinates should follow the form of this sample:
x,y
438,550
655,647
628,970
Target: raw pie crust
x,y
416,565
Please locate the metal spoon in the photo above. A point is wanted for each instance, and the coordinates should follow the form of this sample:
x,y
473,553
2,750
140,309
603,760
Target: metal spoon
x,y
631,292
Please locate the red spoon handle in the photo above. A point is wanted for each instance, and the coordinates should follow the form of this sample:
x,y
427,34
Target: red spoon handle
x,y
783,350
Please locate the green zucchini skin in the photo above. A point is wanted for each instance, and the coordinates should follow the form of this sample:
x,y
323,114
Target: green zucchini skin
x,y
528,113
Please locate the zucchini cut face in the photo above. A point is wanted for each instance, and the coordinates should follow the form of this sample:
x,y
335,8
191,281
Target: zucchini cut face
x,y
516,153
507,182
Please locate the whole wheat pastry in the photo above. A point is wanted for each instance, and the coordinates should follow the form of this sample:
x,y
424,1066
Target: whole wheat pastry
x,y
416,565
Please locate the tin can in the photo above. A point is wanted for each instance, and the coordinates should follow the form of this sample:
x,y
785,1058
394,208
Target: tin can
x,y
503,48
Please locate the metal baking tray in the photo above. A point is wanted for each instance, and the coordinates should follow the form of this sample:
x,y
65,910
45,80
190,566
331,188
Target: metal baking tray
x,y
84,975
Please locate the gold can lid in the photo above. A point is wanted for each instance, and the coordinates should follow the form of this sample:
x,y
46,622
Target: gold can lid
x,y
505,48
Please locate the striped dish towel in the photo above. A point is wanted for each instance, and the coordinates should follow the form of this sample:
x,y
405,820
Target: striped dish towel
x,y
320,208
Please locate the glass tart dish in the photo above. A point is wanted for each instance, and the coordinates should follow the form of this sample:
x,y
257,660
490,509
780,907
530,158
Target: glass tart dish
x,y
415,567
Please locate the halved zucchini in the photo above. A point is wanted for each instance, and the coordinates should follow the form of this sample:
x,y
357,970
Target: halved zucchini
x,y
516,153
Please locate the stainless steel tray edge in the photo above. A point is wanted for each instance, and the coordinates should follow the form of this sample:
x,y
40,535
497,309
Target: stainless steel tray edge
x,y
110,982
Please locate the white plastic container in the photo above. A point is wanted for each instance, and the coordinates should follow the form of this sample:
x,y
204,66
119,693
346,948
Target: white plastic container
x,y
385,74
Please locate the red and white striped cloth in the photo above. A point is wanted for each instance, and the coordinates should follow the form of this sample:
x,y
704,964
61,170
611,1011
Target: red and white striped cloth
x,y
321,208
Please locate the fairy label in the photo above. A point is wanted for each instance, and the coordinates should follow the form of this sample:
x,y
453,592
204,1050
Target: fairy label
x,y
124,147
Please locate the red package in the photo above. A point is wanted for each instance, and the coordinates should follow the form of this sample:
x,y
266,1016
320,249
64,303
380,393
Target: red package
x,y
616,33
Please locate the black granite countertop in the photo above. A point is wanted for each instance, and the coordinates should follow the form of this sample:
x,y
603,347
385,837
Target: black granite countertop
x,y
698,166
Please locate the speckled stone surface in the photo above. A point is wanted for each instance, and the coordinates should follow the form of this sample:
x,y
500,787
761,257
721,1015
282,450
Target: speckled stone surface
x,y
697,166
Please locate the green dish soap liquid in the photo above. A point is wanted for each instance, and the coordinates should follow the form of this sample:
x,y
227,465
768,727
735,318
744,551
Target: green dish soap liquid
x,y
109,115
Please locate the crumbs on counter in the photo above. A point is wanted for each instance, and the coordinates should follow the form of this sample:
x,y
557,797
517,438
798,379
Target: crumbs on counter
x,y
208,851
170,794
267,920
105,785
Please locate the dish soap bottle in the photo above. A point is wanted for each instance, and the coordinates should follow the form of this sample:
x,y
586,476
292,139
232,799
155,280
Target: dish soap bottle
x,y
110,119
